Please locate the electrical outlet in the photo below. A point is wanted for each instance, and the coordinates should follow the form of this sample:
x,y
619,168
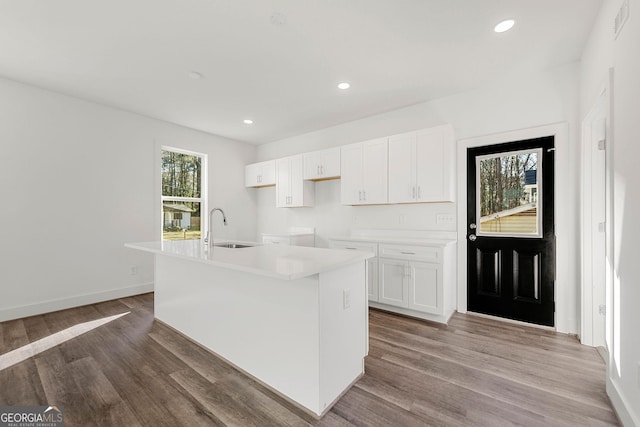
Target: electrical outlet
x,y
445,219
134,270
346,298
602,309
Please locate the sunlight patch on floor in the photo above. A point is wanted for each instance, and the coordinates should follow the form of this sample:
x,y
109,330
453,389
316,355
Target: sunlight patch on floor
x,y
23,353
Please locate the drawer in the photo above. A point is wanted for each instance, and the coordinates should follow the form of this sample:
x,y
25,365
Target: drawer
x,y
356,246
412,253
276,240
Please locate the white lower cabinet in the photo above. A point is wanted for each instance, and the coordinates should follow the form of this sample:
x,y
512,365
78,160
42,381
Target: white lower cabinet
x,y
416,280
409,284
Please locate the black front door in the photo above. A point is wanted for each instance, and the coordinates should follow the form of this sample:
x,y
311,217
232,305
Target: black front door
x,y
510,230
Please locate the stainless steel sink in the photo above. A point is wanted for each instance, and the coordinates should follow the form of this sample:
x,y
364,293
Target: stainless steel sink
x,y
232,245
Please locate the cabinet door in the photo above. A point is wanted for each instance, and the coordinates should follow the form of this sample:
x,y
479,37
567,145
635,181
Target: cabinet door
x,y
402,168
435,152
260,174
268,173
283,182
252,175
425,287
330,166
393,286
296,172
375,172
312,165
351,174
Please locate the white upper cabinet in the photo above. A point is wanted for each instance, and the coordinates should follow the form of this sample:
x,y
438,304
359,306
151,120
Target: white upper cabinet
x,y
291,189
364,173
422,166
324,164
260,174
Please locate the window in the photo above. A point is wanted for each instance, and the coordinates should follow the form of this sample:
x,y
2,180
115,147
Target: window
x,y
508,189
182,194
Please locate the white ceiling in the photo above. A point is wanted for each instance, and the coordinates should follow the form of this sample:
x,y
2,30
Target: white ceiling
x,y
136,55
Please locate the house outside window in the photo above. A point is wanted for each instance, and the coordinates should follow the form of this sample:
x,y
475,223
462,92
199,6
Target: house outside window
x,y
183,178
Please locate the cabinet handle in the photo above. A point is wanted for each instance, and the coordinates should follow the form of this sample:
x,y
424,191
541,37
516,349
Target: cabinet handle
x,y
321,169
360,195
364,195
408,253
413,192
318,170
419,197
353,249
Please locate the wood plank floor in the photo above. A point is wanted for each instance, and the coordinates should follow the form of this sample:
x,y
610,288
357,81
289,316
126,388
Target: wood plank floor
x,y
135,371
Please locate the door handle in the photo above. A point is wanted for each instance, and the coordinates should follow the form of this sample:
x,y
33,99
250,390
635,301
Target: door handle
x,y
472,237
472,226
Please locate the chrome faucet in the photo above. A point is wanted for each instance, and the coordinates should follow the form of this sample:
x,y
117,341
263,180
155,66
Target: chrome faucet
x,y
209,240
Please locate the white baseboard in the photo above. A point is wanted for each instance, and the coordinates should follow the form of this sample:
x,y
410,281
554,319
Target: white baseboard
x,y
622,407
74,301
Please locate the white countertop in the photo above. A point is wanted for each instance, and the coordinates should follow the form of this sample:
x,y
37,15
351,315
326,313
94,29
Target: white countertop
x,y
395,240
278,261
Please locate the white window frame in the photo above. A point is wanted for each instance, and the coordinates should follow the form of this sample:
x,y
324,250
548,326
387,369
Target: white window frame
x,y
203,188
539,167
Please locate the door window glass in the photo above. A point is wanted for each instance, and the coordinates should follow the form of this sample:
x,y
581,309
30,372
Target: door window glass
x,y
509,194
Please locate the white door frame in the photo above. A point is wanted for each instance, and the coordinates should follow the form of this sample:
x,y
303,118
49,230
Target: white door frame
x,y
591,333
566,295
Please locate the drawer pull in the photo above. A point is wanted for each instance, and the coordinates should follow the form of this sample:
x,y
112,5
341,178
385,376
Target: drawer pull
x,y
408,253
353,249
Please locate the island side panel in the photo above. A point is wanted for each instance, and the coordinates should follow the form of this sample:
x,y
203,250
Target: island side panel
x,y
265,326
344,336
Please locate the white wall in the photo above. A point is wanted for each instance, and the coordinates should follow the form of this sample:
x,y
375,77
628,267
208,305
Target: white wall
x,y
516,101
601,53
78,182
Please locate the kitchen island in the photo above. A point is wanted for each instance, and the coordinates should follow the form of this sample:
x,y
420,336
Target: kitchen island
x,y
295,318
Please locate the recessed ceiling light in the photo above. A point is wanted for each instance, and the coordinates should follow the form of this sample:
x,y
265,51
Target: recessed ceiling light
x,y
247,121
195,75
504,26
344,86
